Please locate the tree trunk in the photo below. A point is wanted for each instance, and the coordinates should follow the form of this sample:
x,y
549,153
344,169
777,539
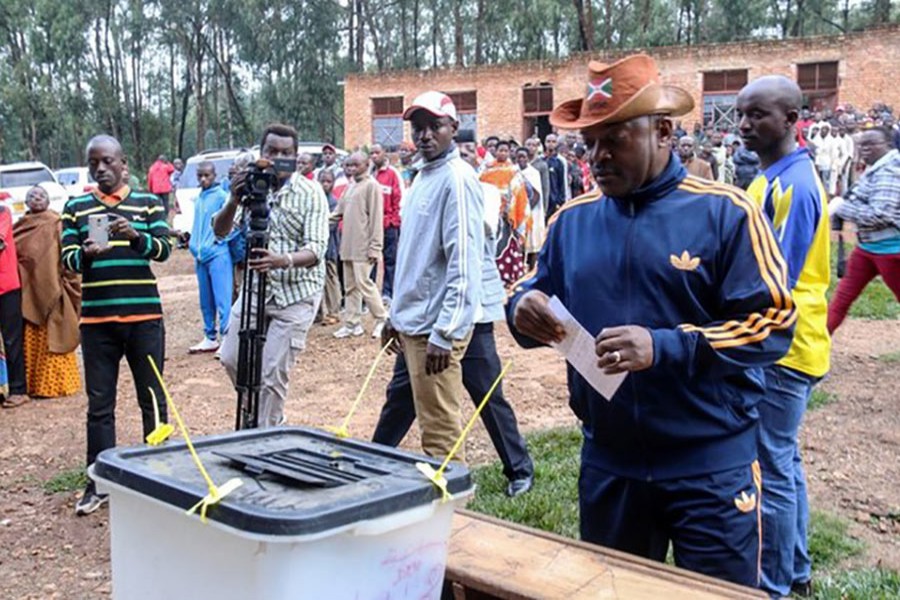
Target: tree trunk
x,y
699,36
224,65
607,23
351,34
584,12
199,98
173,105
184,109
797,30
404,35
370,21
579,14
479,33
415,33
434,33
360,37
136,77
881,13
646,13
458,43
589,22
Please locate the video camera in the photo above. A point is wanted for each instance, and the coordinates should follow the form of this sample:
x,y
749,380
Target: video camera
x,y
262,178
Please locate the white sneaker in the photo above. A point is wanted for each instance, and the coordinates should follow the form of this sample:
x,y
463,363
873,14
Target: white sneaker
x,y
379,327
345,332
207,345
218,354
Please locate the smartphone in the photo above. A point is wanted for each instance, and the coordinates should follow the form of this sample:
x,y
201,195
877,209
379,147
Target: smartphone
x,y
98,229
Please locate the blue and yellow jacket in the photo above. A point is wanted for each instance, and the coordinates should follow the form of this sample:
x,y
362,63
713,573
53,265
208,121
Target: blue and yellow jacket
x,y
696,263
792,196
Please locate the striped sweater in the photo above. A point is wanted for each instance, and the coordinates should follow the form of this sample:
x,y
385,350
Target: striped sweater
x,y
117,286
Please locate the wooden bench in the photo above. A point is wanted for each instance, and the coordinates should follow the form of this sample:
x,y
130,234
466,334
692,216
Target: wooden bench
x,y
490,558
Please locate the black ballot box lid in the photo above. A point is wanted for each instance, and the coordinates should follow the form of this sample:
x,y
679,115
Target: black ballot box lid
x,y
296,480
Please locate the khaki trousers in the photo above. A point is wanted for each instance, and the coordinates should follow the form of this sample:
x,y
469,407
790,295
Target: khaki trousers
x,y
331,303
437,397
361,289
285,339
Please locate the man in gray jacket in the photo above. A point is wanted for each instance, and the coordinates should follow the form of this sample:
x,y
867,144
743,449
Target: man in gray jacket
x,y
480,367
437,282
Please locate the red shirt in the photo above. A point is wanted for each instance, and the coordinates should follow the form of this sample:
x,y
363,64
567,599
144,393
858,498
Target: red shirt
x,y
391,184
159,177
9,263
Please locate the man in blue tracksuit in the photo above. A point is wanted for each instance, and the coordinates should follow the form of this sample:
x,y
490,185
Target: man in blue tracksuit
x,y
684,287
215,272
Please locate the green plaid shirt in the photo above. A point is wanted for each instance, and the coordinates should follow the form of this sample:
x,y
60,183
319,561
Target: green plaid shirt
x,y
298,220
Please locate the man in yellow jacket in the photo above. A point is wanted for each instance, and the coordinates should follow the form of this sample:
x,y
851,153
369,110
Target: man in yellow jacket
x,y
791,194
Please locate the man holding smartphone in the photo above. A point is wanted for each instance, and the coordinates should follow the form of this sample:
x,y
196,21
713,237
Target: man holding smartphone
x,y
298,238
121,312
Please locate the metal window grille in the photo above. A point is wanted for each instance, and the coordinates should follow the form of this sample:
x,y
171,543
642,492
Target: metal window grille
x,y
538,99
724,81
818,76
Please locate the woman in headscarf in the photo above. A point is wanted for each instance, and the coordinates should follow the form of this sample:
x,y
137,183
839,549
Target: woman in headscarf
x,y
51,299
515,213
535,227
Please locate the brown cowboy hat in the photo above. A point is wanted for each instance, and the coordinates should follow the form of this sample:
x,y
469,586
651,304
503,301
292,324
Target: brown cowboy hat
x,y
621,91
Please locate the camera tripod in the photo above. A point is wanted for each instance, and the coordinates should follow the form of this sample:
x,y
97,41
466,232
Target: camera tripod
x,y
252,332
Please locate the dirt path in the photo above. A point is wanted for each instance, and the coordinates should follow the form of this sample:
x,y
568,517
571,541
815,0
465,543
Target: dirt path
x,y
851,445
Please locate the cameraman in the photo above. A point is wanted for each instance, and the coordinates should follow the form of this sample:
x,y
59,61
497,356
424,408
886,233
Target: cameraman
x,y
298,237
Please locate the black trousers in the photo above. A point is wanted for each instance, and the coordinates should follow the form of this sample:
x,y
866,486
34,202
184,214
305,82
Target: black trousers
x,y
103,346
166,201
391,237
480,367
11,326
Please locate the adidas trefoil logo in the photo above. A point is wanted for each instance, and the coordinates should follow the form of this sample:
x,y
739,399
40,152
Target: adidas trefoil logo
x,y
685,262
745,503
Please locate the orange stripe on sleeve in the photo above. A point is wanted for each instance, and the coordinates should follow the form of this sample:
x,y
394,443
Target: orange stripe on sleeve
x,y
772,265
772,270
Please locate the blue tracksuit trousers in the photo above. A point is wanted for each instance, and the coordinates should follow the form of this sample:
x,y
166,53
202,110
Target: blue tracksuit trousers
x,y
216,279
711,520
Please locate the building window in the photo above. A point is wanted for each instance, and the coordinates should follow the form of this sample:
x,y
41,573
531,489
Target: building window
x,y
819,84
466,104
538,99
720,90
387,122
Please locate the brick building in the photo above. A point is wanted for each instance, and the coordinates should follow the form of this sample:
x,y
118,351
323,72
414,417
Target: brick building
x,y
516,99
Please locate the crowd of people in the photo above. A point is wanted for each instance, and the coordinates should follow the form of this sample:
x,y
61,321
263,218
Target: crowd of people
x,y
699,261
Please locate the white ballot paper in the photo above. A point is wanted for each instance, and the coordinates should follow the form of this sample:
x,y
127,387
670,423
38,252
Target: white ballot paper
x,y
578,348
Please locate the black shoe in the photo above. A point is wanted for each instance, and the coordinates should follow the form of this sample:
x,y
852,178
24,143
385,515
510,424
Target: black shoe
x,y
802,590
517,487
90,501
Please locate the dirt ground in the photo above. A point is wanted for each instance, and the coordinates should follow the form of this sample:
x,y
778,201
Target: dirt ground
x,y
851,445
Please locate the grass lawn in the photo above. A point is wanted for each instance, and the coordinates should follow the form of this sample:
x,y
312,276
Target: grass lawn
x,y
819,399
553,506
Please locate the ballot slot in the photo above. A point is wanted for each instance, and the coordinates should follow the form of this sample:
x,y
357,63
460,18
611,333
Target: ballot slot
x,y
304,468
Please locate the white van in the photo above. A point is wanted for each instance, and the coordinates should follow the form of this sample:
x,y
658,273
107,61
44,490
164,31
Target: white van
x,y
17,178
76,180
